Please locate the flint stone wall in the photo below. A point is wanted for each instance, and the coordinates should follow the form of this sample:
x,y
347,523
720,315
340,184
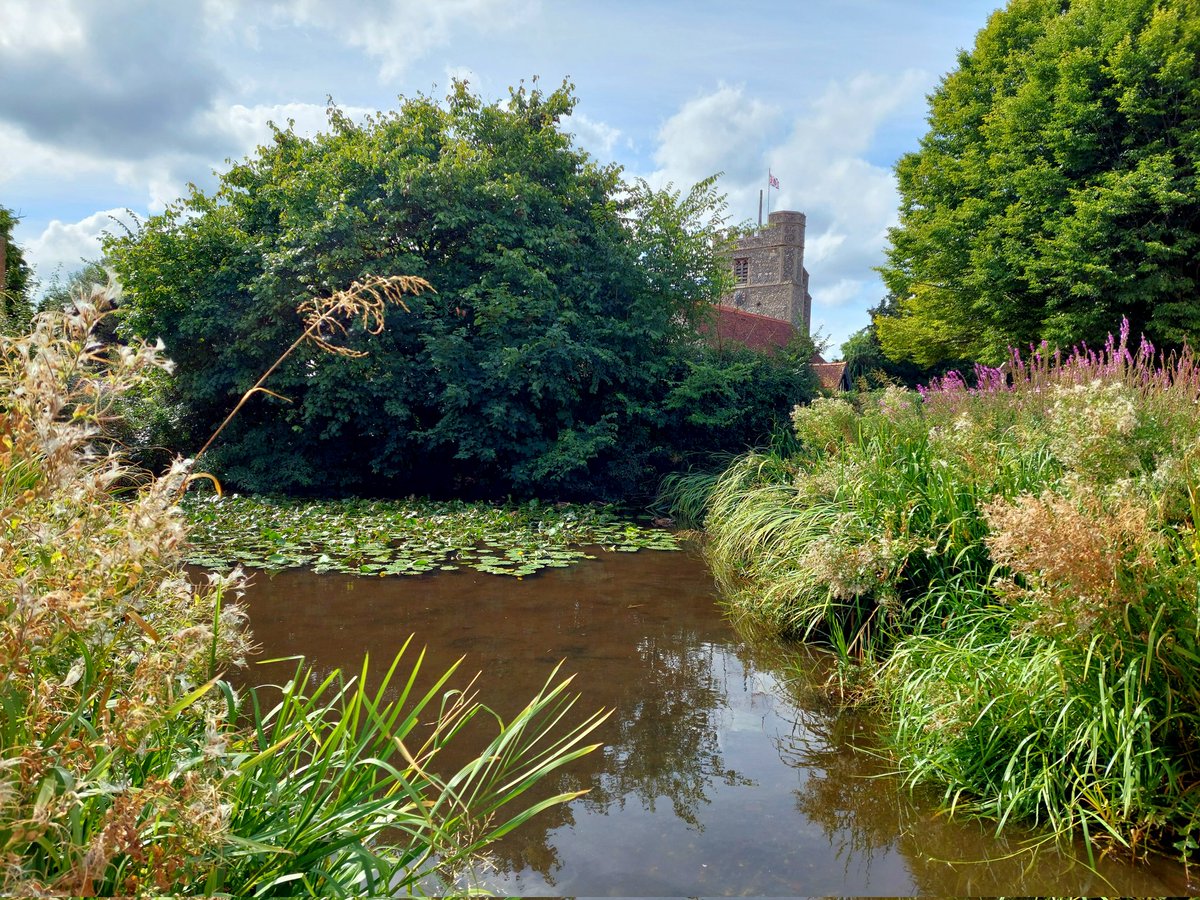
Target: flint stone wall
x,y
777,283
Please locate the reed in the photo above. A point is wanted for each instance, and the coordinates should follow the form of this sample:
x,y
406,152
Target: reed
x,y
335,789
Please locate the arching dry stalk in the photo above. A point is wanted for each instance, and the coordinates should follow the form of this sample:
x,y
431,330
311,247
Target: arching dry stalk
x,y
365,301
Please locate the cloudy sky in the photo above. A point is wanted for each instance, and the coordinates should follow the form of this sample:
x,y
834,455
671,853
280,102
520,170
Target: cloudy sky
x,y
113,107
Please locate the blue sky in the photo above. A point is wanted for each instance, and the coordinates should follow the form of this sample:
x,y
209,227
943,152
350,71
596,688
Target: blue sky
x,y
116,106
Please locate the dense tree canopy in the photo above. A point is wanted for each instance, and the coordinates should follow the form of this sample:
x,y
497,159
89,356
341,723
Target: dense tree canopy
x,y
553,358
15,309
1056,190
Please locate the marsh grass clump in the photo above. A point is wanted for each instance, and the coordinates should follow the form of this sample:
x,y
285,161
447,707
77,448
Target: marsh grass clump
x,y
128,763
684,496
1015,561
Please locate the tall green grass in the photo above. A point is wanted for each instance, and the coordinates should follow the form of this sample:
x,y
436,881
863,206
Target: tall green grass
x,y
684,496
1015,563
338,790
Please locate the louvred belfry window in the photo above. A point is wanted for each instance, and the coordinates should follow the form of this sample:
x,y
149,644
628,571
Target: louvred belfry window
x,y
741,269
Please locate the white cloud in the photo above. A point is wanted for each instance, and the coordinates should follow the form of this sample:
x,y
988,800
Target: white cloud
x,y
837,294
27,161
126,77
466,75
823,161
825,246
62,247
46,25
719,132
850,201
395,32
597,138
220,13
846,116
247,126
25,158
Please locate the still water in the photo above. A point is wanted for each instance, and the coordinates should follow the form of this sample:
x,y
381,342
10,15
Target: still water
x,y
722,772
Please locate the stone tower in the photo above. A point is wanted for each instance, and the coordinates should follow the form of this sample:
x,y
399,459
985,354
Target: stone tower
x,y
769,274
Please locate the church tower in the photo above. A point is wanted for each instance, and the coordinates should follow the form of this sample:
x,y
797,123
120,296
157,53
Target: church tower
x,y
769,274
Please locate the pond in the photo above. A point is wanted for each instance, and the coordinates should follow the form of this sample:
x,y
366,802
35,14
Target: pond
x,y
721,772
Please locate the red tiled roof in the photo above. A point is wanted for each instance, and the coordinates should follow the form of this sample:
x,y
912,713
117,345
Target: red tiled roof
x,y
752,330
831,375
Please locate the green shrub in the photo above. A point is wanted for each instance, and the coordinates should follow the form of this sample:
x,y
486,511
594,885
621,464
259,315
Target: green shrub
x,y
559,357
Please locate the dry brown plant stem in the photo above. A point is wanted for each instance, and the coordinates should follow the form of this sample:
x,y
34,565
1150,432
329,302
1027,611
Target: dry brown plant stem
x,y
365,301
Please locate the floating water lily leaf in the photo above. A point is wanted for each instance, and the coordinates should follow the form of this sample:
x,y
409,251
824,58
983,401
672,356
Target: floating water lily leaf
x,y
408,538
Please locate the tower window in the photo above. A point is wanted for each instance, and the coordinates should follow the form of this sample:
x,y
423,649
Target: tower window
x,y
741,269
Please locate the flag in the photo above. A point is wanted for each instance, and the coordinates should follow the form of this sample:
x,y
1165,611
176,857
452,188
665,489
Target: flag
x,y
772,180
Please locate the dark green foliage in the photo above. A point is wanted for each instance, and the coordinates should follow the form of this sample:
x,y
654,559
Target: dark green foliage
x,y
564,312
15,309
736,395
1056,190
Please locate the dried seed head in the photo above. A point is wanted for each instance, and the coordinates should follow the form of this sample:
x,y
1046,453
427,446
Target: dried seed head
x,y
364,301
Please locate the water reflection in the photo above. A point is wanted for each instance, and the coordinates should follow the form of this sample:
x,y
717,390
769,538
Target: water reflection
x,y
716,777
665,744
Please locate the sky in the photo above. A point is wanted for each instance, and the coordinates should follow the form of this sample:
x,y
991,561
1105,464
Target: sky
x,y
109,110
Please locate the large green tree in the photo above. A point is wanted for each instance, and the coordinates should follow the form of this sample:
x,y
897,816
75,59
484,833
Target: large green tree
x,y
869,367
15,279
562,323
1056,190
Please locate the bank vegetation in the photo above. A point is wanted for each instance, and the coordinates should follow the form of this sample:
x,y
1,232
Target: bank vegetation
x,y
130,760
1012,566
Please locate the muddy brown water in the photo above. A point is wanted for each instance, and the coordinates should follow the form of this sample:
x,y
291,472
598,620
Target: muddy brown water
x,y
721,773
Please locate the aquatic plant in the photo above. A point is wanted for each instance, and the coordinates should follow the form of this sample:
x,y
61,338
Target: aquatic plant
x,y
1014,557
410,537
128,763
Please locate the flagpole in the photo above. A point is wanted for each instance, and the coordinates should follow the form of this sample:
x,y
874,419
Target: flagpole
x,y
768,194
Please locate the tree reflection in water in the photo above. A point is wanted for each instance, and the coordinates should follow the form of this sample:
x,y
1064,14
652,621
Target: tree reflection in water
x,y
667,742
662,745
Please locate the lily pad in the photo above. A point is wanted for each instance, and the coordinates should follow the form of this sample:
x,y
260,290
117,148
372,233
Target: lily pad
x,y
407,538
